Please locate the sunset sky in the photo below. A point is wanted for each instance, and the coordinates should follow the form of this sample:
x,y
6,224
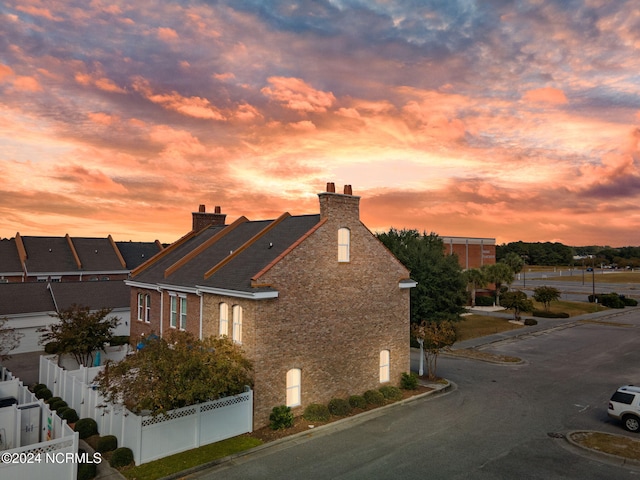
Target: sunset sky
x,y
515,120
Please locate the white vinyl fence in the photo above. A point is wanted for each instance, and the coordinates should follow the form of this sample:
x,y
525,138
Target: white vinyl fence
x,y
149,437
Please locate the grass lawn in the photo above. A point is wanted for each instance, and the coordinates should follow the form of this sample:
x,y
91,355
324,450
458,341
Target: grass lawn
x,y
191,458
572,308
473,326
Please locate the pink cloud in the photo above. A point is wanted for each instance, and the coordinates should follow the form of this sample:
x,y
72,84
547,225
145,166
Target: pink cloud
x,y
167,34
297,95
546,95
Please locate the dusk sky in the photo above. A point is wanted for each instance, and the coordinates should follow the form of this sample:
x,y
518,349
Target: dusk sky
x,y
515,120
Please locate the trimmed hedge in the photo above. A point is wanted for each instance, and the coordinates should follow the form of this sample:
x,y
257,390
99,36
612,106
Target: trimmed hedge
x,y
611,300
545,314
373,397
316,412
37,387
70,415
482,301
57,404
108,443
86,427
390,392
86,471
357,401
339,407
530,321
45,394
409,381
121,457
281,417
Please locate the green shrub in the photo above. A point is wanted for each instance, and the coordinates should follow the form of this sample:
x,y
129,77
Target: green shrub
x,y
52,400
86,471
70,415
316,413
482,301
357,401
86,427
373,397
57,404
119,340
629,302
121,457
37,387
108,443
339,407
610,300
61,410
45,394
281,417
530,321
409,381
390,392
545,314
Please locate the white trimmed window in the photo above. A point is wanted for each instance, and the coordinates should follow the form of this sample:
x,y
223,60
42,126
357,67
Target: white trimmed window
x,y
147,308
224,319
384,366
140,306
294,378
344,241
236,333
178,311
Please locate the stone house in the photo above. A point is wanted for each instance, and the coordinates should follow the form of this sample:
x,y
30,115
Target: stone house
x,y
316,301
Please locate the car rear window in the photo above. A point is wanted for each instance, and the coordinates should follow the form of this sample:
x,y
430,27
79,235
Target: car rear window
x,y
622,397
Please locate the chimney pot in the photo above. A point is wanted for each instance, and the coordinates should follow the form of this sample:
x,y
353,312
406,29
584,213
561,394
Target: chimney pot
x,y
201,209
217,209
347,190
331,187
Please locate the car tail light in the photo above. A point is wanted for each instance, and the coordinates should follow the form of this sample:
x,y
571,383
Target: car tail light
x,y
610,406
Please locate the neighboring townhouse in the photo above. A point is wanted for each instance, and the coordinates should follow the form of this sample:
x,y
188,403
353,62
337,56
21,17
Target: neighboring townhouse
x,y
30,306
76,259
316,301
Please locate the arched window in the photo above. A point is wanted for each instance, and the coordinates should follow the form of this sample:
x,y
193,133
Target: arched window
x,y
237,324
224,319
384,366
344,241
294,377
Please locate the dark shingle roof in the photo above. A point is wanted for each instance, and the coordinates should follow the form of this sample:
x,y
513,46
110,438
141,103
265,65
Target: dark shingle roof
x,y
246,256
106,294
136,253
9,260
97,254
48,254
17,298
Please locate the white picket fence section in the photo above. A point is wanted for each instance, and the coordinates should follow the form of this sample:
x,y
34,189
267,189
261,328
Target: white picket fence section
x,y
149,437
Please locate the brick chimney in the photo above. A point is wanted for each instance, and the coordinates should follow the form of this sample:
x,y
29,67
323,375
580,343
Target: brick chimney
x,y
203,219
345,205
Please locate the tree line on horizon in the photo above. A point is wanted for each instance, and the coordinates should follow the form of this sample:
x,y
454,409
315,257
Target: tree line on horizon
x,y
555,253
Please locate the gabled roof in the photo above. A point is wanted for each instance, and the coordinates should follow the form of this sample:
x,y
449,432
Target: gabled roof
x,y
226,258
48,254
136,253
19,298
97,254
9,259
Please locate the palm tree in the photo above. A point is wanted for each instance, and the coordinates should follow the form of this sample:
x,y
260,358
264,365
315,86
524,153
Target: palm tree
x,y
475,279
499,274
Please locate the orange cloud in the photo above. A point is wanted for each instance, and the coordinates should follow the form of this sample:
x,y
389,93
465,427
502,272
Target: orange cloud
x,y
297,95
101,83
167,34
546,95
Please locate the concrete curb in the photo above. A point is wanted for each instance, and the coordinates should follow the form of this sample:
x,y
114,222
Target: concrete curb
x,y
606,457
317,431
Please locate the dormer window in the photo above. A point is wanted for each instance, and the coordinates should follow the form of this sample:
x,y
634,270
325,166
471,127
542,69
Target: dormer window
x,y
344,241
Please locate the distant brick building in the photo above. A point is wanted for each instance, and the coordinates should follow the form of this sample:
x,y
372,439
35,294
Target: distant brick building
x,y
316,301
471,252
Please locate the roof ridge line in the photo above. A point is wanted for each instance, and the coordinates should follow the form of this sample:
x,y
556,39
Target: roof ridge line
x,y
115,249
246,245
163,253
288,250
74,252
201,248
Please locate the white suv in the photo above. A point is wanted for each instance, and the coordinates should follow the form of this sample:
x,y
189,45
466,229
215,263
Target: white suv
x,y
625,405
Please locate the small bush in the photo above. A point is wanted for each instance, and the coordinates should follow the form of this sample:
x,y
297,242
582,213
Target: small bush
x,y
390,392
545,314
45,394
86,427
316,413
373,397
70,415
530,321
108,443
339,407
119,340
629,302
86,471
409,381
52,400
611,300
57,404
61,410
482,301
357,401
37,387
121,457
281,417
